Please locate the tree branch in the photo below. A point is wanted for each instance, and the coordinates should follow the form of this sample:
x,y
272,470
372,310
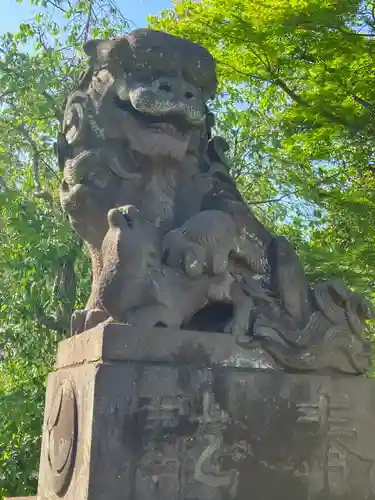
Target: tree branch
x,y
353,33
36,169
274,200
363,102
50,323
88,22
302,102
6,93
36,153
57,113
51,2
64,289
295,97
248,75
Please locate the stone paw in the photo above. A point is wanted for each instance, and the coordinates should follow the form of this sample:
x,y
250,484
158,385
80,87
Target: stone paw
x,y
77,322
85,319
94,318
239,331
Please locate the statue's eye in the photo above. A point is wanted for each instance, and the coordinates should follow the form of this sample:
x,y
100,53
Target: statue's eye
x,y
165,256
128,219
165,86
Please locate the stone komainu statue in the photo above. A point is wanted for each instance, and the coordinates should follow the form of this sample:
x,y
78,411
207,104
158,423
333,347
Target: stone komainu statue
x,y
172,242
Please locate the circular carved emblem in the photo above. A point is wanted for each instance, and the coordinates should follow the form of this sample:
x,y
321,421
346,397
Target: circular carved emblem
x,y
62,437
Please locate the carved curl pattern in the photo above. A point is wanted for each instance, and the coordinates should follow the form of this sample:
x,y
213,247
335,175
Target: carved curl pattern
x,y
332,340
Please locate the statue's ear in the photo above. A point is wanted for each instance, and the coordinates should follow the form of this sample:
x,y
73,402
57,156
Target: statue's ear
x,y
95,49
90,47
100,51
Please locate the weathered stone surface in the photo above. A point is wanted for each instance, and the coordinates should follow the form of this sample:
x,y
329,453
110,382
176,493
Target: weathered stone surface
x,y
113,342
266,408
188,425
173,243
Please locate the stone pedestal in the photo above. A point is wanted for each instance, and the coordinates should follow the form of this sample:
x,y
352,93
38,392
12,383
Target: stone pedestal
x,y
177,415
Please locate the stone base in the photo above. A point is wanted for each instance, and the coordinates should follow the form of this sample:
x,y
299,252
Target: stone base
x,y
177,415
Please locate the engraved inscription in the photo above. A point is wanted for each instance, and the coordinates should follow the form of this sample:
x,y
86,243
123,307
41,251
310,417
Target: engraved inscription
x,y
334,422
182,449
207,468
164,412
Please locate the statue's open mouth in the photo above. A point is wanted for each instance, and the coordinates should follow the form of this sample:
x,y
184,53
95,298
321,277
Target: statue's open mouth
x,y
170,124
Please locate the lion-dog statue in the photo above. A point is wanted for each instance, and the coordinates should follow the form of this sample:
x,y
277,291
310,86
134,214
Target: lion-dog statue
x,y
172,242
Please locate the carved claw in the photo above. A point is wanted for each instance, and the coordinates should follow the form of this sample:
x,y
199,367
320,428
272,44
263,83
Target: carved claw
x,y
77,322
238,330
125,216
194,261
85,319
94,318
243,306
219,263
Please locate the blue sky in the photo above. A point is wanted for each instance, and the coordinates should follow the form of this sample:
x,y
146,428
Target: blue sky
x,y
135,10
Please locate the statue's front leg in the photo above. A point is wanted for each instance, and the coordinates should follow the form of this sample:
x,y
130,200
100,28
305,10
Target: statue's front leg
x,y
243,305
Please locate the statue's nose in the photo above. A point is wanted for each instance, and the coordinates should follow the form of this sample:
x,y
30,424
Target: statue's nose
x,y
177,87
